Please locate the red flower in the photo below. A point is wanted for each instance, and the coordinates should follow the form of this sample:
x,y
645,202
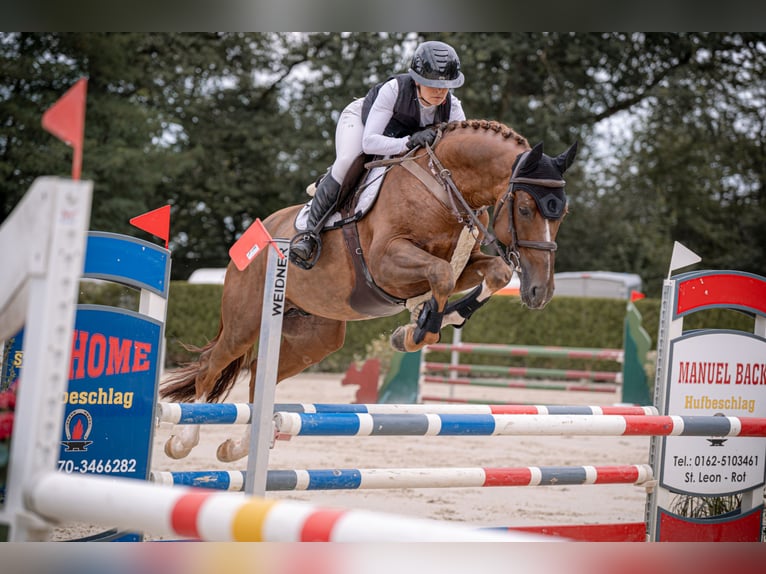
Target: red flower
x,y
7,400
7,405
6,425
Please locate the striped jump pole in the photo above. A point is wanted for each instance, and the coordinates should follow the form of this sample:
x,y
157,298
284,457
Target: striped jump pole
x,y
361,424
479,408
454,373
382,478
240,413
194,513
521,384
619,532
533,372
530,351
431,399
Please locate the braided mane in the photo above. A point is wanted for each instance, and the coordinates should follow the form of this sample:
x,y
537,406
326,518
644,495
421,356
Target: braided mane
x,y
494,126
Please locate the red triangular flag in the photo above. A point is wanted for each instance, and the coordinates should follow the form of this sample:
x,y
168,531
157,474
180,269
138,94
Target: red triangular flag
x,y
156,222
66,120
636,295
252,242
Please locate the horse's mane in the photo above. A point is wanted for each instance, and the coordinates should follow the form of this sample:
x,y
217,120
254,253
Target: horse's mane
x,y
489,125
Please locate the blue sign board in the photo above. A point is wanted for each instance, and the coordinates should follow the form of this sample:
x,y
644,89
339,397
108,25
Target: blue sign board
x,y
12,360
114,368
111,397
127,260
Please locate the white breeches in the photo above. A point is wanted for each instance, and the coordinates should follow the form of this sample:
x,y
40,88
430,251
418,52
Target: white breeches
x,y
348,139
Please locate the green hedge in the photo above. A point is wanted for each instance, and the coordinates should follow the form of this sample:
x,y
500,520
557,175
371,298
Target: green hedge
x,y
193,319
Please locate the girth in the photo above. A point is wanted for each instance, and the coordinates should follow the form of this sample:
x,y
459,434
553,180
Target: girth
x,y
366,297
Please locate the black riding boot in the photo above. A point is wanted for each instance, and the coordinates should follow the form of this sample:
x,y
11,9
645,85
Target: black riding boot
x,y
325,198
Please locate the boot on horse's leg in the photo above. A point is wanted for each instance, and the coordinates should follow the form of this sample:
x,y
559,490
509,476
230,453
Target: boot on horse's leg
x,y
428,325
325,198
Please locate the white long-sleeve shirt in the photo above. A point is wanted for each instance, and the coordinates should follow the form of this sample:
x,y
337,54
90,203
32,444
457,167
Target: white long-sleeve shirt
x,y
381,112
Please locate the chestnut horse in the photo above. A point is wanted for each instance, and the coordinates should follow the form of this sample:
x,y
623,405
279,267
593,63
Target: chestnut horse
x,y
409,239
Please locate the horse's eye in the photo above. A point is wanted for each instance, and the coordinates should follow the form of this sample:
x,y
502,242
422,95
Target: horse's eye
x,y
525,211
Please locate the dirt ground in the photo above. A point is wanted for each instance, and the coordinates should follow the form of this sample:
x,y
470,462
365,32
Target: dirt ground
x,y
498,506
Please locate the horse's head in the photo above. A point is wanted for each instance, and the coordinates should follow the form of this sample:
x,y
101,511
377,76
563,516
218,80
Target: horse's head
x,y
527,218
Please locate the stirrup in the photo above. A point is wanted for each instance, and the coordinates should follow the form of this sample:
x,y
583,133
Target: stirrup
x,y
306,263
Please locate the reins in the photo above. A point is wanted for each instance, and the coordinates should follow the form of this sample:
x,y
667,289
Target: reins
x,y
440,181
469,217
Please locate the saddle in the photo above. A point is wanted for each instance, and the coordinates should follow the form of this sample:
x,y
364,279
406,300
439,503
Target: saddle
x,y
357,196
366,296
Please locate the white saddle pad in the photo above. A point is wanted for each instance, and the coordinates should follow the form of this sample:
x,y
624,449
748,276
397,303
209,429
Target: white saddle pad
x,y
372,186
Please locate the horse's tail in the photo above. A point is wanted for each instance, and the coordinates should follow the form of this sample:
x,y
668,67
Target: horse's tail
x,y
181,385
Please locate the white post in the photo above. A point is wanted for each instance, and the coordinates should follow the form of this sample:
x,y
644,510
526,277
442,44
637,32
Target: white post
x,y
457,338
262,427
45,240
156,307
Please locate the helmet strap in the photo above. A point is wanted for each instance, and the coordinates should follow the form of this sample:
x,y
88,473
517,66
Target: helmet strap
x,y
423,101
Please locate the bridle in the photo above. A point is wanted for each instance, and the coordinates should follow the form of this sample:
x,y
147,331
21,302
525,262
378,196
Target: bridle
x,y
511,253
550,206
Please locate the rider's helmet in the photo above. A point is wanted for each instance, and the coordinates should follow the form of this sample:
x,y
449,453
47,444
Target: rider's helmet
x,y
436,65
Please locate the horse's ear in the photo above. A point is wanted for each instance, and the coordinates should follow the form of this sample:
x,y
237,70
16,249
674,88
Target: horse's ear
x,y
535,155
528,161
564,160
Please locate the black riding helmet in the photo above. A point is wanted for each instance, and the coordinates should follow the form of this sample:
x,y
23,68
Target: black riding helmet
x,y
436,65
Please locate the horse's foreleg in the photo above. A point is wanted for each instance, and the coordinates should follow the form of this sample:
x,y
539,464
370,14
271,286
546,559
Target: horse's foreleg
x,y
410,265
429,321
493,274
426,330
459,311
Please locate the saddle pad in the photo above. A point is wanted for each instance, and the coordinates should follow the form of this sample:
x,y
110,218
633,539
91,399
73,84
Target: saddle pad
x,y
371,186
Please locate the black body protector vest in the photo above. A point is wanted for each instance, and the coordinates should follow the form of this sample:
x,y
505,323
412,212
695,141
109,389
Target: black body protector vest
x,y
406,118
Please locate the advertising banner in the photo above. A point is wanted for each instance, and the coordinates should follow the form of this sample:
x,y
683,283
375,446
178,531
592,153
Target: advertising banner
x,y
111,397
715,373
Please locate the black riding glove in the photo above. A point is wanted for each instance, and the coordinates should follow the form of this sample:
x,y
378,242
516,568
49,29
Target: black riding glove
x,y
421,138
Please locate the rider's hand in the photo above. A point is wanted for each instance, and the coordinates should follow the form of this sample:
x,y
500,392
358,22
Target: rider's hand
x,y
421,138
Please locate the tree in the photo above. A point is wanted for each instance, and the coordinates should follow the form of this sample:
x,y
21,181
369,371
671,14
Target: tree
x,y
228,127
118,132
692,170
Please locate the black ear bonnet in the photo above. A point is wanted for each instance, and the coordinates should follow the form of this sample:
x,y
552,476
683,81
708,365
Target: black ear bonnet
x,y
541,177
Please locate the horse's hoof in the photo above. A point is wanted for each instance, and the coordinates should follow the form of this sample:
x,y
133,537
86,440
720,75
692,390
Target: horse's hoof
x,y
174,448
402,340
226,452
398,338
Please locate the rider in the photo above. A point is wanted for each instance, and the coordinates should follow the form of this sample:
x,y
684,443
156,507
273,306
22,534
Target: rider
x,y
388,121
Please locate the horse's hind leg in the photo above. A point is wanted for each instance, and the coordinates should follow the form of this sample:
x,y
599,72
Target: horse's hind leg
x,y
212,364
235,449
181,444
306,341
186,437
